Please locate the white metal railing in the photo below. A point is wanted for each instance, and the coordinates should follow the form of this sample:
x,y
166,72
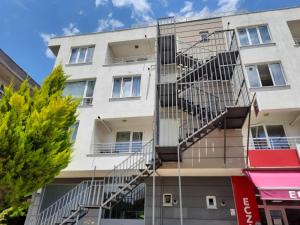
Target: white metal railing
x,y
131,59
84,194
274,142
117,147
86,101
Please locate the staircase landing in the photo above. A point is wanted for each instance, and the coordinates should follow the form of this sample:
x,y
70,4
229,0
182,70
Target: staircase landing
x,y
232,118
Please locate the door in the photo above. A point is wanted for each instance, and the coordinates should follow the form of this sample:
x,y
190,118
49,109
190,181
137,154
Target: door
x,y
122,141
137,138
277,217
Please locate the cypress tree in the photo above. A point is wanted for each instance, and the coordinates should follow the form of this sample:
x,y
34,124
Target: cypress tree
x,y
35,137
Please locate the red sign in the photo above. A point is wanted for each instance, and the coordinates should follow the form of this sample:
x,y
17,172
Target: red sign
x,y
245,202
280,194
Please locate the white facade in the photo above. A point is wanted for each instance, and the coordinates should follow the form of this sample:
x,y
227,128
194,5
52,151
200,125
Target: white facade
x,y
99,122
277,105
116,54
282,48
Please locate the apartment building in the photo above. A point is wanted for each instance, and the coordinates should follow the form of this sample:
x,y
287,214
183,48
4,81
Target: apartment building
x,y
12,74
194,122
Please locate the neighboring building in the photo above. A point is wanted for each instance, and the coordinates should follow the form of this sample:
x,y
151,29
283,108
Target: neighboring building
x,y
12,74
174,101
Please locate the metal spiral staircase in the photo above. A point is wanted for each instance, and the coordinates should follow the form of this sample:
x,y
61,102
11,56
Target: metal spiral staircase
x,y
201,87
105,193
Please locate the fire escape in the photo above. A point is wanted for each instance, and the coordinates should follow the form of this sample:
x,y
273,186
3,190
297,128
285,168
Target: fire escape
x,y
200,87
105,195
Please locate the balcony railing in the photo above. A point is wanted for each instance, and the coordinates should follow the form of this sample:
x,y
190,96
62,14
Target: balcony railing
x,y
86,101
132,59
274,143
117,147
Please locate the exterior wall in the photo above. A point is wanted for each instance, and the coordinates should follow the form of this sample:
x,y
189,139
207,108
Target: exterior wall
x,y
137,112
194,192
12,73
282,49
209,152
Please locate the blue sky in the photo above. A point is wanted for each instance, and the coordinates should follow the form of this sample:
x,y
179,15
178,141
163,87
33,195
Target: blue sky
x,y
26,25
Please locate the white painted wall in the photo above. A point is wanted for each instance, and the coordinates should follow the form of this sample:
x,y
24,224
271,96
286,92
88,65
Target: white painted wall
x,y
138,112
283,49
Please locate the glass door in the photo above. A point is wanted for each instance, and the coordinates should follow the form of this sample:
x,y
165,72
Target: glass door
x,y
122,141
277,217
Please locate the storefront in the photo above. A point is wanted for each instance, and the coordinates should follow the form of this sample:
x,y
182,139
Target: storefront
x,y
267,197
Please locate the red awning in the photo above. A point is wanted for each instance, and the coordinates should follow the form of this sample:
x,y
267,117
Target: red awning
x,y
276,185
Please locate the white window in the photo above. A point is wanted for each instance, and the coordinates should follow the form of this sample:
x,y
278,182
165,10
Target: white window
x,y
204,36
254,35
127,141
81,89
211,202
82,55
167,200
74,131
265,75
269,137
126,87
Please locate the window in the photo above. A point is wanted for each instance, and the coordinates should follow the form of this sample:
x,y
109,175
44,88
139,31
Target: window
x,y
81,55
294,26
127,141
254,35
81,89
269,137
126,87
74,133
211,202
265,75
204,36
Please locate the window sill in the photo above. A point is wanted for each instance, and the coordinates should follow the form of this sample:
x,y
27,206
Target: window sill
x,y
124,98
270,88
78,64
257,46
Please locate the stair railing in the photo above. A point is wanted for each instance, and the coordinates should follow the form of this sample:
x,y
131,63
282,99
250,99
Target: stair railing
x,y
82,194
125,172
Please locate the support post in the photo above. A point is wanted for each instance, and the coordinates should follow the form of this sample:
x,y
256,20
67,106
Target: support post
x,y
225,141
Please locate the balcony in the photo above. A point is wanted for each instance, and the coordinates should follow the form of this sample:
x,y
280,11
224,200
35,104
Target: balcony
x,y
128,52
132,59
274,152
117,147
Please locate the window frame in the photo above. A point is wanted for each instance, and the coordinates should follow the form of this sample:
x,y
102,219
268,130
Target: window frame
x,y
258,34
121,96
75,126
78,54
84,97
264,126
271,74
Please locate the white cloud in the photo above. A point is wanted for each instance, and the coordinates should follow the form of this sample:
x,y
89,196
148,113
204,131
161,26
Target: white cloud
x,y
80,12
100,2
141,9
70,30
109,23
46,38
188,6
225,7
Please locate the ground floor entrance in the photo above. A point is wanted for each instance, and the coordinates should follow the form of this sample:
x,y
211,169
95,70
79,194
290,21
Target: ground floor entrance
x,y
279,212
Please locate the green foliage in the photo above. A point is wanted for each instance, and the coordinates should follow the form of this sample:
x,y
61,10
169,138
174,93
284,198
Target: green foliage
x,y
35,143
